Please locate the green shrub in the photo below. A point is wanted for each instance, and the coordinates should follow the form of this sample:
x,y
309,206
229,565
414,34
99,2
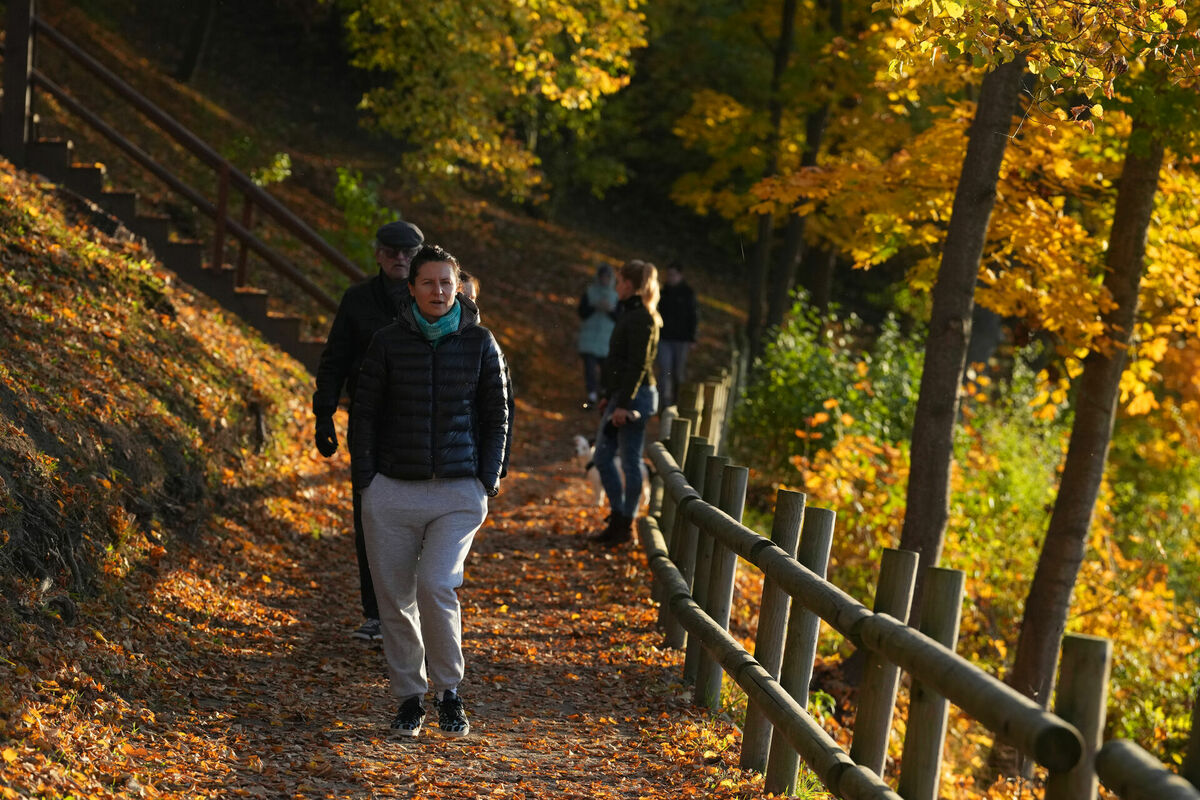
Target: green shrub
x,y
364,213
818,376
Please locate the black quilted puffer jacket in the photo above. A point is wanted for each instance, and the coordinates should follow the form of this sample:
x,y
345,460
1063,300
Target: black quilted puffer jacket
x,y
365,308
423,413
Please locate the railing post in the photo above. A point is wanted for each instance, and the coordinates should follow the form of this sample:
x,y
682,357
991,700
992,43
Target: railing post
x,y
720,583
682,549
714,471
690,404
1082,700
218,245
708,425
16,122
881,678
800,647
243,251
1191,758
677,446
772,625
925,733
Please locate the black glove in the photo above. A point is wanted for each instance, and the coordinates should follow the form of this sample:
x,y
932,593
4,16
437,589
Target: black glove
x,y
326,438
491,485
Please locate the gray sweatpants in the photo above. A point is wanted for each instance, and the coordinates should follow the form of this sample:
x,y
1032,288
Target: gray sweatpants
x,y
418,535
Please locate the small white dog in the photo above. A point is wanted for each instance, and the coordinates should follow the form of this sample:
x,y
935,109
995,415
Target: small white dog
x,y
584,451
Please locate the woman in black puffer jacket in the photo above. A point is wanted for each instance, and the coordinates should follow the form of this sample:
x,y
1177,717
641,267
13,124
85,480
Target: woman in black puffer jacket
x,y
630,398
428,448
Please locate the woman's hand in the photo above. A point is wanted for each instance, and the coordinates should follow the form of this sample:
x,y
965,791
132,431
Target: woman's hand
x,y
620,417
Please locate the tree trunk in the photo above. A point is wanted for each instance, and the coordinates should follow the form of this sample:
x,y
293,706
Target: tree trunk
x,y
759,256
987,331
928,495
783,270
816,274
1049,597
766,223
197,43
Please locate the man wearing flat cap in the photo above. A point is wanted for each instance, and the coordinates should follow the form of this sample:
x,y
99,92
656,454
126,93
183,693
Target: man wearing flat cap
x,y
364,309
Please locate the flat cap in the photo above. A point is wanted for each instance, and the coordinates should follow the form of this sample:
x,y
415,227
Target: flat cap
x,y
400,234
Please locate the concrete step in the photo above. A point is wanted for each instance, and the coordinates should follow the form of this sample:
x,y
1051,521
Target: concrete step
x,y
280,328
250,304
154,227
50,157
121,204
307,352
86,179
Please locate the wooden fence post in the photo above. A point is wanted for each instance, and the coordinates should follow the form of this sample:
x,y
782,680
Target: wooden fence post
x,y
800,648
682,549
881,678
720,583
243,251
677,446
925,733
690,404
1191,758
714,471
1082,700
709,428
218,243
15,117
772,624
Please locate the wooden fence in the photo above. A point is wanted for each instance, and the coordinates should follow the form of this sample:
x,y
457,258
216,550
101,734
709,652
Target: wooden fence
x,y
693,538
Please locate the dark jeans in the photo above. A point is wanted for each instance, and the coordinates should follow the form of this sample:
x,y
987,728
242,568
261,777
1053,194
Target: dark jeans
x,y
626,441
591,373
672,368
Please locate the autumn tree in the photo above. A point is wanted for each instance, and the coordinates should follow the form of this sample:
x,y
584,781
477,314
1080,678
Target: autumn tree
x,y
1083,48
474,89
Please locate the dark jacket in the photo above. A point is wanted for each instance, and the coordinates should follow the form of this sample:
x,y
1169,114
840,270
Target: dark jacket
x,y
631,352
365,308
423,413
679,313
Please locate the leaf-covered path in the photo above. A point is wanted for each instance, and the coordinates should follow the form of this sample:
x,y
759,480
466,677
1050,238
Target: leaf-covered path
x,y
224,669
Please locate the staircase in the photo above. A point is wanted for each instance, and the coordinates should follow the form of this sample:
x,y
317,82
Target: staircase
x,y
54,159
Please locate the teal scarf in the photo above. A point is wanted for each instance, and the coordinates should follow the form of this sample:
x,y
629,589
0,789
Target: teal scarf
x,y
440,328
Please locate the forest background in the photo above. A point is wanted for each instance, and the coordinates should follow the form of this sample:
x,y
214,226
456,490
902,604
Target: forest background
x,y
810,155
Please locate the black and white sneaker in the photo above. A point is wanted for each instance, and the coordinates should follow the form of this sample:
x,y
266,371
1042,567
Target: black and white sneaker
x,y
452,720
369,631
409,718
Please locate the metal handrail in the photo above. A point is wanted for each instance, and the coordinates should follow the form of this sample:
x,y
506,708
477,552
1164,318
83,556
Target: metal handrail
x,y
278,262
206,154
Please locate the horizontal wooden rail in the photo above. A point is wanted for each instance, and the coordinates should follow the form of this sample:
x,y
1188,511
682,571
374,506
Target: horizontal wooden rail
x,y
1043,736
176,130
1134,774
822,754
261,248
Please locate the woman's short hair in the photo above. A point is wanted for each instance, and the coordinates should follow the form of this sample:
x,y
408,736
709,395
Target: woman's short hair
x,y
430,253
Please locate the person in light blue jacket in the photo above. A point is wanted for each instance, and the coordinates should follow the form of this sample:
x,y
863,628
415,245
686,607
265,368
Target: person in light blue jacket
x,y
598,312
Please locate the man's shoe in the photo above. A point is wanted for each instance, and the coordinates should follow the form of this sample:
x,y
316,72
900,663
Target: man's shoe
x,y
452,720
408,719
369,631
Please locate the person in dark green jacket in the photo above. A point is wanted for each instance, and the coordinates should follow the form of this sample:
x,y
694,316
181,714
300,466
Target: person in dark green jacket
x,y
364,309
630,398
